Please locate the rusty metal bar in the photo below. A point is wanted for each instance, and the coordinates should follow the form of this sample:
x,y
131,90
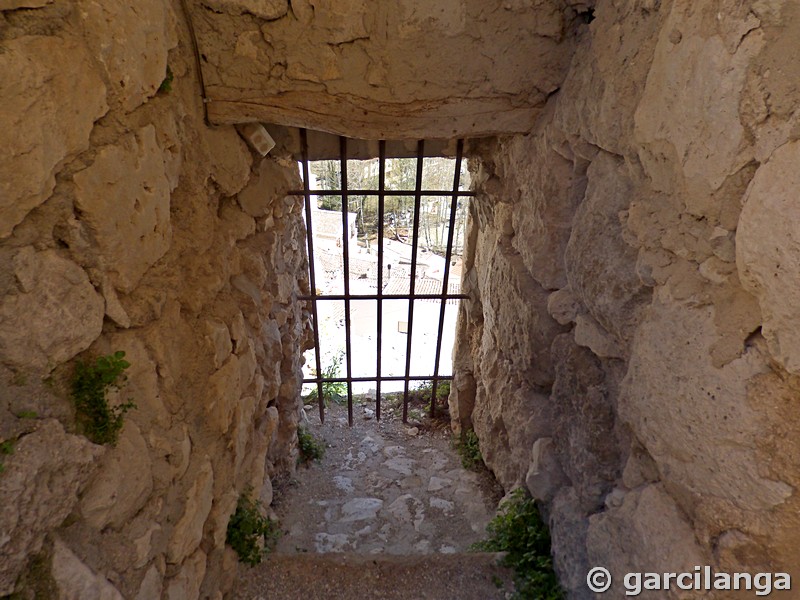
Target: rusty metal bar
x,y
445,283
366,379
386,297
312,277
412,283
381,208
346,265
385,193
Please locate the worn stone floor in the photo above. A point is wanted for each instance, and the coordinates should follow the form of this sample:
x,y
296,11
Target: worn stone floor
x,y
384,488
387,502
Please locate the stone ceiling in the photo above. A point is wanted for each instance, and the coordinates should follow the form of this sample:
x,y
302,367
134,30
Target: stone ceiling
x,y
397,70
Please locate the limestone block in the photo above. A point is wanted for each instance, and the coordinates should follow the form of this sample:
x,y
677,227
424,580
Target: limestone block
x,y
388,72
219,338
55,313
136,62
270,183
221,512
189,530
264,9
583,421
225,389
243,430
151,585
14,4
768,251
568,526
186,585
75,580
38,489
676,131
124,198
122,484
648,529
232,161
51,98
563,306
590,334
600,264
697,421
545,477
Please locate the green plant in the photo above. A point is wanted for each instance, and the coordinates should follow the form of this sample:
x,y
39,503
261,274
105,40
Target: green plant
x,y
519,531
100,422
27,414
332,390
251,534
310,447
166,84
469,450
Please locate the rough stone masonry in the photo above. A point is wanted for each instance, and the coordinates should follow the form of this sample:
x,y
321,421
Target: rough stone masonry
x,y
630,349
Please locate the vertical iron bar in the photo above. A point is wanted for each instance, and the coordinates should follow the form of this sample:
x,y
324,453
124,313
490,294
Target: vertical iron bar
x,y
312,277
381,207
346,264
414,244
446,283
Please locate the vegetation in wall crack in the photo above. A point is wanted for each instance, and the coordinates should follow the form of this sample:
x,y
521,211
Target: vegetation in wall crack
x,y
250,533
310,447
166,84
519,531
469,450
99,421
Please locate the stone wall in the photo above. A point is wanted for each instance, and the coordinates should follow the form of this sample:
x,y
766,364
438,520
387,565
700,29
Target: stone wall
x,y
127,224
403,69
630,349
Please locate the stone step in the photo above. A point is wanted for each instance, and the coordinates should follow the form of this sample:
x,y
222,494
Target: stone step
x,y
472,576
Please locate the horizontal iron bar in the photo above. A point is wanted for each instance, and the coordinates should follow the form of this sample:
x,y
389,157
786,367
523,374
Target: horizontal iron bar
x,y
447,193
387,297
368,379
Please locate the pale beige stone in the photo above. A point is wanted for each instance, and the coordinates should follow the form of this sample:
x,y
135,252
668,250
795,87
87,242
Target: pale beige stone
x,y
151,585
673,123
124,198
695,419
224,389
218,336
768,251
54,315
14,4
38,489
188,531
590,334
647,529
389,72
265,9
136,61
123,483
75,580
231,169
51,107
186,585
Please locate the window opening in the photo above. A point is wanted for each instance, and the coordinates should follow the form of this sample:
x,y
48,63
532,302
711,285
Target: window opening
x,y
347,210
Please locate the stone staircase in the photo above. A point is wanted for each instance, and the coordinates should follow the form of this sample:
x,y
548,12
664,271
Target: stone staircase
x,y
309,576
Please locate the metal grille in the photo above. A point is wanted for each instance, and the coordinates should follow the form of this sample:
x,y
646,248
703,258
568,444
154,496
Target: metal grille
x,y
442,296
